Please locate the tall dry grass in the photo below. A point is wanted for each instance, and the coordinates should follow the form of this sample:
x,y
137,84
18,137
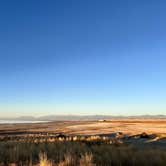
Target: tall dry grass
x,y
79,153
86,160
68,161
43,160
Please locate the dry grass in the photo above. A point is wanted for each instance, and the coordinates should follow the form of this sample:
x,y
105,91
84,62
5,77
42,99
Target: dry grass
x,y
77,153
84,150
86,160
43,160
68,161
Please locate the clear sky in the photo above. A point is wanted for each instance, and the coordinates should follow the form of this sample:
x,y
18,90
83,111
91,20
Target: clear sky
x,y
82,57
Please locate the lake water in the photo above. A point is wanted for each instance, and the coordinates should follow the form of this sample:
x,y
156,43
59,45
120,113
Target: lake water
x,y
19,121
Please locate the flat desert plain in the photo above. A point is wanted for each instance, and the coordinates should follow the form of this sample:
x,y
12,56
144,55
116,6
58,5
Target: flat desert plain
x,y
126,126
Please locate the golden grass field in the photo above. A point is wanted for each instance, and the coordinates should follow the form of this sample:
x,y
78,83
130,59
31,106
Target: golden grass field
x,y
115,142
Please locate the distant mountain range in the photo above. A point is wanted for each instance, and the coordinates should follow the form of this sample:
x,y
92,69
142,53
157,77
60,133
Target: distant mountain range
x,y
78,117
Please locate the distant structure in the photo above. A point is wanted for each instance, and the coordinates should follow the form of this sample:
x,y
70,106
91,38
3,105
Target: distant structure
x,y
102,120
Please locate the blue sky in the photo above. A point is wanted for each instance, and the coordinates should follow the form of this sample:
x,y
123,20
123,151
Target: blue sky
x,y
82,57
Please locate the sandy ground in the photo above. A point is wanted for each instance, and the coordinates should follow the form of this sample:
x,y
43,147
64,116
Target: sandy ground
x,y
127,126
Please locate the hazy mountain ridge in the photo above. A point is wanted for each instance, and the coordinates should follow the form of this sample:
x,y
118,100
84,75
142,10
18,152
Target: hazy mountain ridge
x,y
78,117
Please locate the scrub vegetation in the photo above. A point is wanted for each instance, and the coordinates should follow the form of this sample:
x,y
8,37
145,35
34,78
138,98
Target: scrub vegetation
x,y
100,152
